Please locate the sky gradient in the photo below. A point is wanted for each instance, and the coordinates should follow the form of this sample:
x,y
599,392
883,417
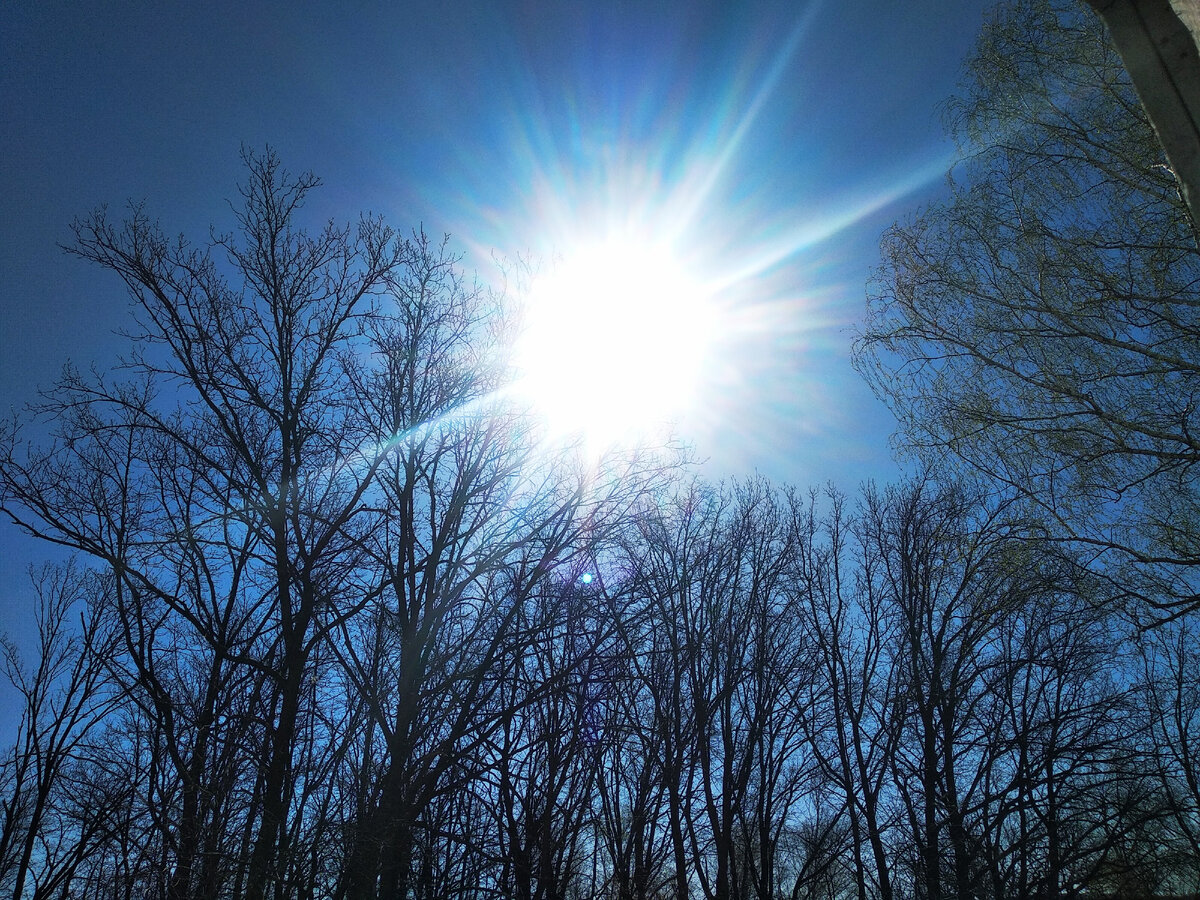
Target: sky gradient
x,y
774,140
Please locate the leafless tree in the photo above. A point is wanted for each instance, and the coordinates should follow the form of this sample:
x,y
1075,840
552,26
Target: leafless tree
x,y
724,675
64,699
1171,696
931,554
216,482
850,730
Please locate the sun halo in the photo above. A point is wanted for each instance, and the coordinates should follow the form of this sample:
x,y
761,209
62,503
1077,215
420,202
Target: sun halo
x,y
614,341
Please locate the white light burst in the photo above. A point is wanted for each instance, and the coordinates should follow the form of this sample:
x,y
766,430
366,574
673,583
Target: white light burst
x,y
615,340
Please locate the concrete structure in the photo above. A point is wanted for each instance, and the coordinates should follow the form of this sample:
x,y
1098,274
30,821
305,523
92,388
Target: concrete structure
x,y
1157,40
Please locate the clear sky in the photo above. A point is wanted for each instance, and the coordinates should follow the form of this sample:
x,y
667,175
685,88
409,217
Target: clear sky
x,y
775,140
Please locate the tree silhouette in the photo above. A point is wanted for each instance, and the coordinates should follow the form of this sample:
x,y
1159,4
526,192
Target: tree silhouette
x,y
350,629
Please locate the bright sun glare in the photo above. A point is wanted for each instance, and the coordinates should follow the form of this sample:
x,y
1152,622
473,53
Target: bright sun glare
x,y
614,342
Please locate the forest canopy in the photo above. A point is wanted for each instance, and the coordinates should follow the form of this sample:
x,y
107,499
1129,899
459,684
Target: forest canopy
x,y
341,624
1040,325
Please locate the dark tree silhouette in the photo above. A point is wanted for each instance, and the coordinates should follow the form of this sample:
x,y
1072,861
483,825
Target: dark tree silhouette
x,y
336,638
306,479
65,697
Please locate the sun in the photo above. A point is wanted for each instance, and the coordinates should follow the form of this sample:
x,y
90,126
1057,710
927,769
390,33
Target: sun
x,y
615,340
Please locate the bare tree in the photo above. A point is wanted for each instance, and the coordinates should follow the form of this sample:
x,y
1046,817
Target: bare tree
x,y
548,745
469,518
934,554
322,521
850,729
631,783
725,674
1171,695
218,484
65,697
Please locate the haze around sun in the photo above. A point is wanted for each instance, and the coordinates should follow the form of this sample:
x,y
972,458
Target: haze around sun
x,y
615,340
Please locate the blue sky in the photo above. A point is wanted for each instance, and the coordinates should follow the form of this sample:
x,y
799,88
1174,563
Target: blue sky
x,y
776,139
